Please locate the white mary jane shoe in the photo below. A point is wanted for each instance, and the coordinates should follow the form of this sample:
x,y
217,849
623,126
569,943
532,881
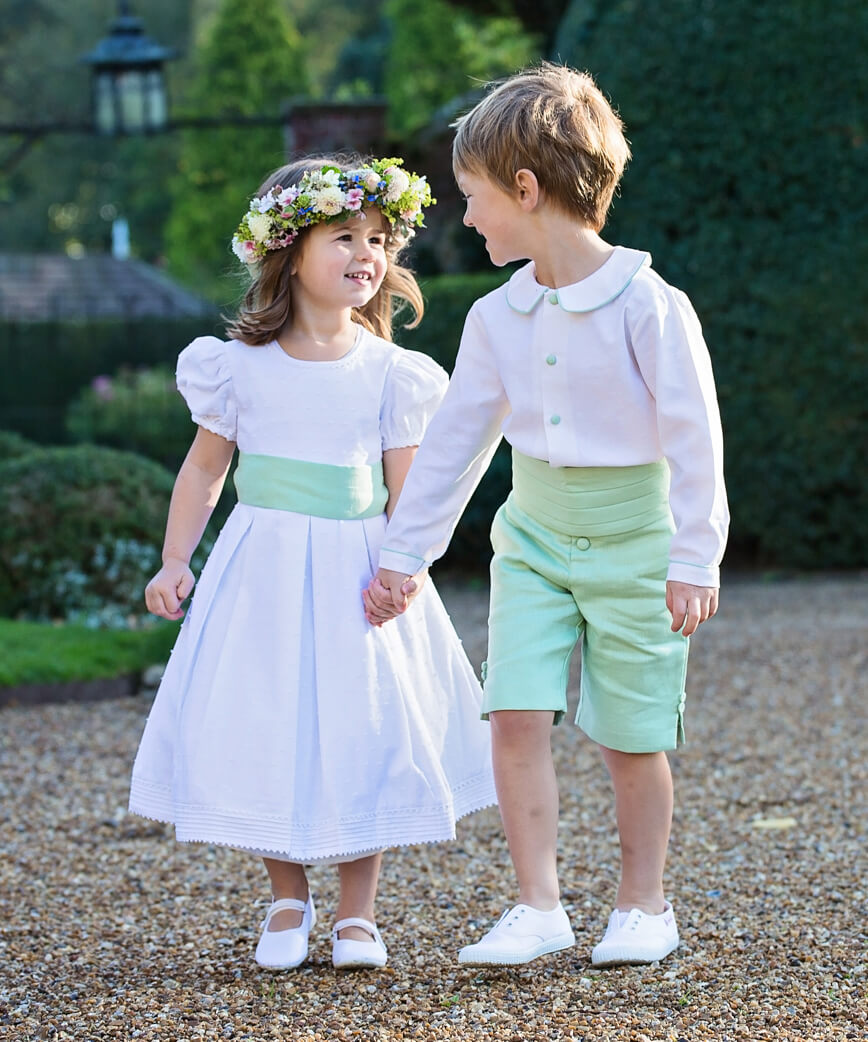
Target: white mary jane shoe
x,y
286,949
352,954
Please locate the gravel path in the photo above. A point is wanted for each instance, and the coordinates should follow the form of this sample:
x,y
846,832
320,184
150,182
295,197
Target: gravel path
x,y
111,930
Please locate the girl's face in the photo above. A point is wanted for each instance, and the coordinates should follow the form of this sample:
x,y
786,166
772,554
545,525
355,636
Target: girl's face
x,y
342,265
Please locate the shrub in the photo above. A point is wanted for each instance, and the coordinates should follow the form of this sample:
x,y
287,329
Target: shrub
x,y
13,445
80,533
137,411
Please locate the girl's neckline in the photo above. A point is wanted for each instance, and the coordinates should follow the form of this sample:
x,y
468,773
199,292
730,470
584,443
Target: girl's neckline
x,y
321,362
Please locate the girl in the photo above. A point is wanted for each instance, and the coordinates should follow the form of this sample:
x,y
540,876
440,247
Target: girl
x,y
284,724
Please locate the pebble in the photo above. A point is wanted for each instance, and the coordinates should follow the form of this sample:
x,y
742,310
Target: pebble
x,y
109,929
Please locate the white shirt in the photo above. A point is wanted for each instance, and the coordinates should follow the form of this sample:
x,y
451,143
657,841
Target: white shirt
x,y
611,371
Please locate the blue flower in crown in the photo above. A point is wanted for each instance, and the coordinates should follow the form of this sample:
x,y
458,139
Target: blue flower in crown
x,y
331,194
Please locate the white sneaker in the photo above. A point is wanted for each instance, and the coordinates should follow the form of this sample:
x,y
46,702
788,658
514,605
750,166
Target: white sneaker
x,y
522,933
639,938
286,949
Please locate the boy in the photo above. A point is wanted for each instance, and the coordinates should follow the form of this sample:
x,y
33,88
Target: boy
x,y
595,371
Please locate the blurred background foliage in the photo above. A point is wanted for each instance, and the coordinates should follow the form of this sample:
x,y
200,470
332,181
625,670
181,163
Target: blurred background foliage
x,y
748,186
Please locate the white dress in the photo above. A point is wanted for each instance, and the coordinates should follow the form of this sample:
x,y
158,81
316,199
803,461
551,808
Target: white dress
x,y
285,724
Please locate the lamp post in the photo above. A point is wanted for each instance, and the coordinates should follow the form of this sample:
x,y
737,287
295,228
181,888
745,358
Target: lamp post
x,y
129,90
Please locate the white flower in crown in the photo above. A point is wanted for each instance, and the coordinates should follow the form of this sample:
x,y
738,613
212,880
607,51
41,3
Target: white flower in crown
x,y
397,183
419,187
371,180
244,251
260,226
330,200
263,204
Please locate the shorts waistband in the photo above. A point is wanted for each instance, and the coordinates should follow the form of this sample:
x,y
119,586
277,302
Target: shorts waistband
x,y
590,500
319,489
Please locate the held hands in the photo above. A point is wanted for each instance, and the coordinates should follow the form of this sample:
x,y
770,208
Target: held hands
x,y
690,605
390,593
172,585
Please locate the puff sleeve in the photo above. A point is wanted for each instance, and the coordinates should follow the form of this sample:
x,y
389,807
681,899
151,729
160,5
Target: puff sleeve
x,y
204,378
414,390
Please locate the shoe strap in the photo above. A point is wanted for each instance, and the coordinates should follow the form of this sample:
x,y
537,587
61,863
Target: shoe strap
x,y
363,924
281,905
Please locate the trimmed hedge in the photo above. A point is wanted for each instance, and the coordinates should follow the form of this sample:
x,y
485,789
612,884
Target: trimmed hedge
x,y
46,364
747,124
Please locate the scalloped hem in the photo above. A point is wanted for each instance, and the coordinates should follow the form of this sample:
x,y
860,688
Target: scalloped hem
x,y
341,839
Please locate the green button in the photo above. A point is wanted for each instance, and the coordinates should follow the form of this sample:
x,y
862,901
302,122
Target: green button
x,y
551,359
553,298
583,543
555,419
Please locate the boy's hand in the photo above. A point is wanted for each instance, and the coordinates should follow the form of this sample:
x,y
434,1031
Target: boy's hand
x,y
172,585
389,594
690,605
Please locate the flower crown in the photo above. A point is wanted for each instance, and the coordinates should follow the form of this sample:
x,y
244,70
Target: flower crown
x,y
331,194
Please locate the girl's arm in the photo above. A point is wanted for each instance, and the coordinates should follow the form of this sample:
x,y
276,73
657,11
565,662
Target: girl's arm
x,y
197,489
396,464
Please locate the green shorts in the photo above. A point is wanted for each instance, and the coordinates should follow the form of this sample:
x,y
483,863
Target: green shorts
x,y
581,554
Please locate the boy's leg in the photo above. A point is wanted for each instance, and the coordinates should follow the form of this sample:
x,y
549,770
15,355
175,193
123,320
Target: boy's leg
x,y
643,807
527,793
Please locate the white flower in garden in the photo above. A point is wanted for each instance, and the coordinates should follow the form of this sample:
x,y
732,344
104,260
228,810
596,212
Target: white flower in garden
x,y
397,182
260,226
329,201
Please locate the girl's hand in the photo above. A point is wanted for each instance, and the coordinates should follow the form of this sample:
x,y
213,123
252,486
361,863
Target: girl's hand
x,y
390,594
169,588
690,606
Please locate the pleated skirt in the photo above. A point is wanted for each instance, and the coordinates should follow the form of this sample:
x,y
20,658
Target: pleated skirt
x,y
285,724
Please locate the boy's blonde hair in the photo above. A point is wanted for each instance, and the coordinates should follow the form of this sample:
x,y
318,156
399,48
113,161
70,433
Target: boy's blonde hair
x,y
556,122
267,304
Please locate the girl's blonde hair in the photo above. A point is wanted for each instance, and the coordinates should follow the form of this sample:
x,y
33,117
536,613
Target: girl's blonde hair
x,y
556,122
267,304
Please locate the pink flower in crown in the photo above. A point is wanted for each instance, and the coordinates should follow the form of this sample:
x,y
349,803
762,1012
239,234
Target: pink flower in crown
x,y
410,215
284,196
354,198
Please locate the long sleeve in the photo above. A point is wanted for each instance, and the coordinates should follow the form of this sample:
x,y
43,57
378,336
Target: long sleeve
x,y
452,458
666,338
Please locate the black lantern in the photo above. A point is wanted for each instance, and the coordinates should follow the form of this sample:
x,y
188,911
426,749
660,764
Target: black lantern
x,y
129,91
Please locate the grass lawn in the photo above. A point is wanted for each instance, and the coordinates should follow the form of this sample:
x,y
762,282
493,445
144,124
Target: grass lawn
x,y
36,653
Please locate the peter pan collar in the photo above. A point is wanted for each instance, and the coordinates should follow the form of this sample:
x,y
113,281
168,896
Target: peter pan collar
x,y
523,292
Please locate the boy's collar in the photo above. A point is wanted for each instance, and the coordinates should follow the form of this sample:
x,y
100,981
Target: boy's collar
x,y
523,292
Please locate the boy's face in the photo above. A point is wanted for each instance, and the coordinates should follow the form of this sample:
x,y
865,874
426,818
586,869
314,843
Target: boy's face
x,y
495,214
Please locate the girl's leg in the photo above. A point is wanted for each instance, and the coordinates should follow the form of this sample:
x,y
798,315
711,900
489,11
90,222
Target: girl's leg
x,y
527,792
358,889
287,880
643,807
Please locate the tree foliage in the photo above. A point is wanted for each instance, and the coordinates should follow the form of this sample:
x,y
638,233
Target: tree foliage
x,y
251,63
438,52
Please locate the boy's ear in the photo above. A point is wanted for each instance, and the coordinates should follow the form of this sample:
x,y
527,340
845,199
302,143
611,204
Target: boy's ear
x,y
527,189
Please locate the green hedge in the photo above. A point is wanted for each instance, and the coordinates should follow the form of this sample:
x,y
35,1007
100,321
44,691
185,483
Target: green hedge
x,y
747,124
46,364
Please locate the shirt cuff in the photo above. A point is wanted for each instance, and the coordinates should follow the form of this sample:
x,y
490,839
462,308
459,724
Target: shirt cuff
x,y
398,561
695,574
